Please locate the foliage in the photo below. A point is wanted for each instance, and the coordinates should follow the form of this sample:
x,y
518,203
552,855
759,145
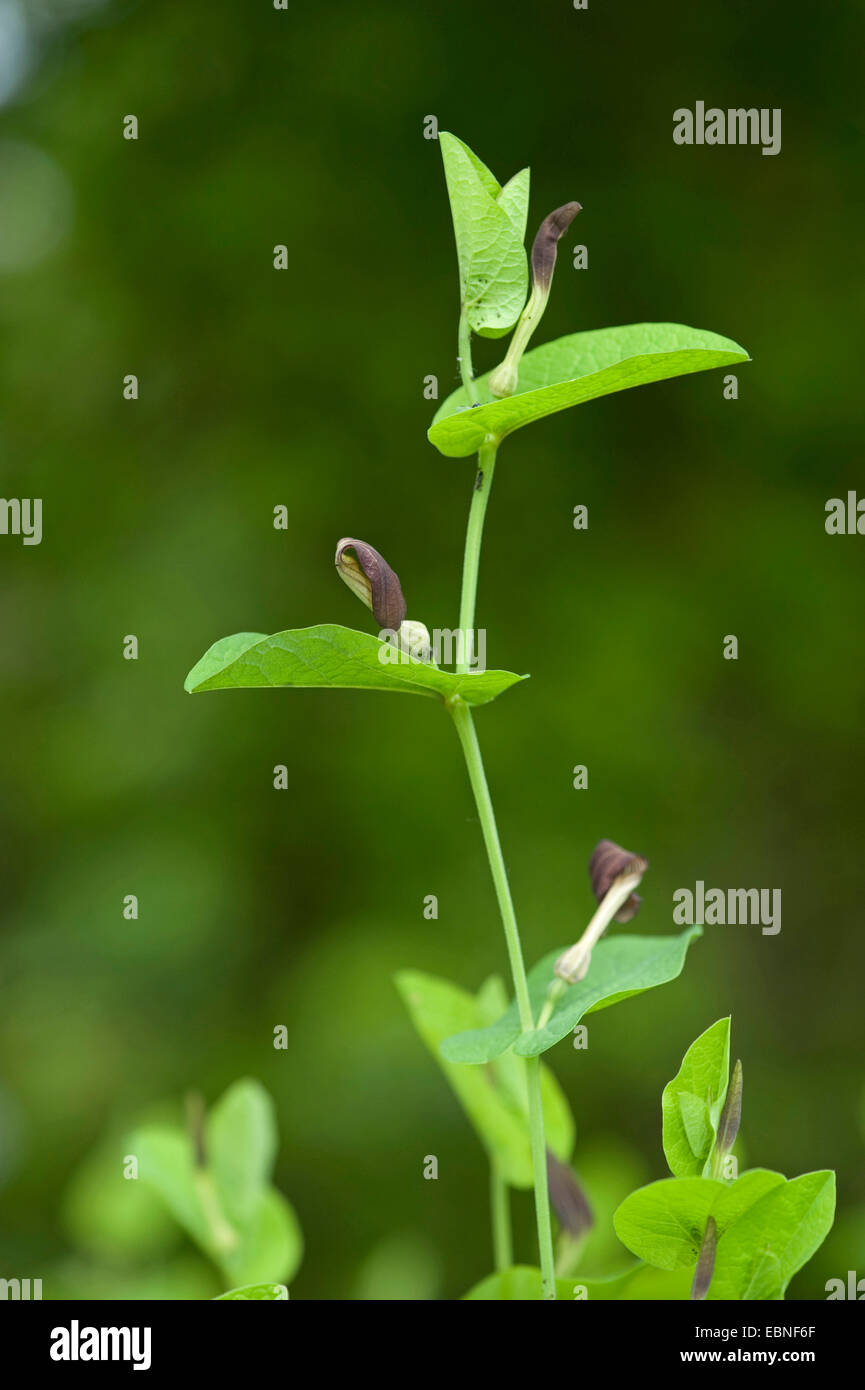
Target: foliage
x,y
216,1185
758,1230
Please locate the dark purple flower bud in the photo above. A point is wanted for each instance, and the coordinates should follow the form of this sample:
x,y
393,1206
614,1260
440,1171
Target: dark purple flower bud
x,y
546,244
706,1262
728,1127
614,874
504,380
568,1199
371,578
609,862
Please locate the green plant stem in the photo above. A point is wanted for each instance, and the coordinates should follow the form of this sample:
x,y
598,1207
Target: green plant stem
x,y
554,993
539,1173
478,509
464,344
465,728
472,557
500,1209
462,717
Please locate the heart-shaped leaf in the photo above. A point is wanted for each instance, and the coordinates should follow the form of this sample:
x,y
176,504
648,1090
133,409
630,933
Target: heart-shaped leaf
x,y
334,657
692,1102
621,966
489,227
494,1097
767,1227
575,369
664,1223
773,1239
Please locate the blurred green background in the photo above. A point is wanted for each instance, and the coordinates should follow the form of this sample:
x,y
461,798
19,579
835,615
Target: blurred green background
x,y
305,388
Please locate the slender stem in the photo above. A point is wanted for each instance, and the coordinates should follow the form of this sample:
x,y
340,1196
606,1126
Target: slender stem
x,y
555,990
477,511
465,358
539,1172
503,1249
472,557
465,728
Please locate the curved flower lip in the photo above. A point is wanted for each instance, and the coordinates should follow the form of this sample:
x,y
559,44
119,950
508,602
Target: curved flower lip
x,y
609,862
545,247
370,577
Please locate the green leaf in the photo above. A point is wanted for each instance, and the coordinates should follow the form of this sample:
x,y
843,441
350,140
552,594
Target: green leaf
x,y
333,657
664,1223
523,1283
227,1206
692,1102
621,966
220,656
165,1162
579,368
639,1284
489,227
509,1077
493,1097
270,1245
767,1229
241,1144
273,1292
455,154
492,998
773,1239
514,198
693,1114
